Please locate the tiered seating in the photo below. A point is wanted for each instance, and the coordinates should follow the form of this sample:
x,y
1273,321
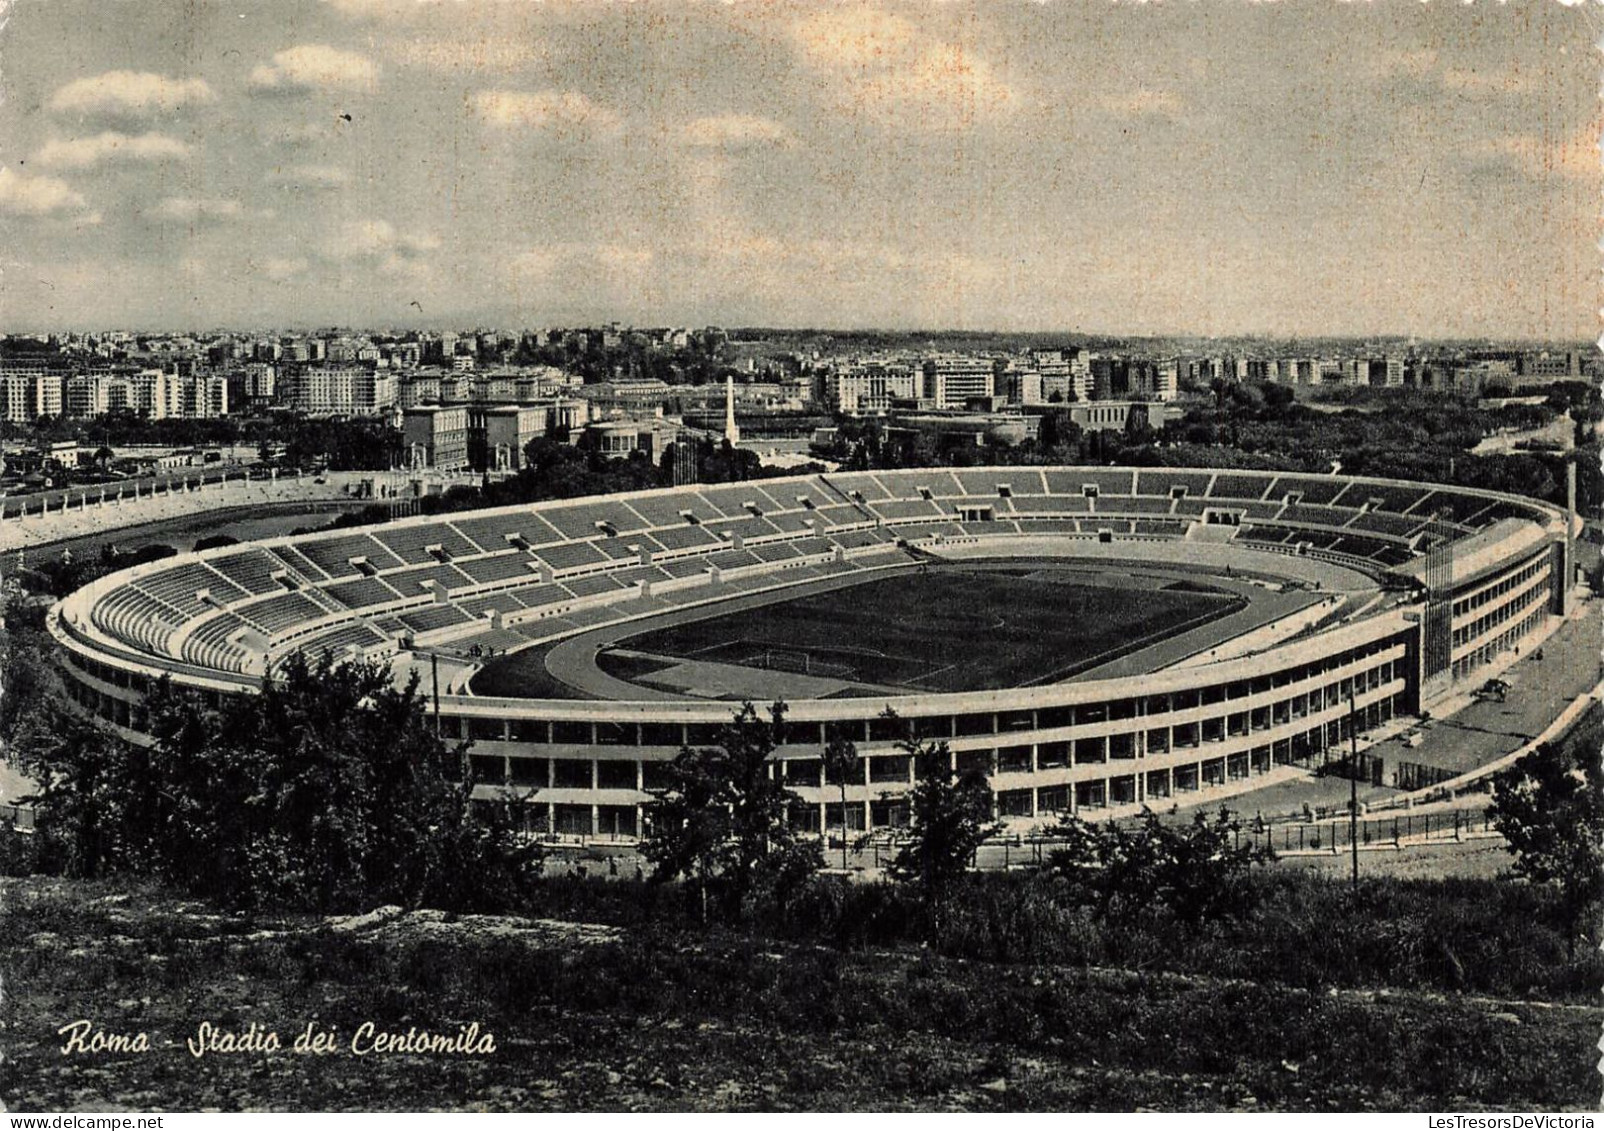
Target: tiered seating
x,y
491,532
334,555
908,509
275,614
498,567
734,559
685,538
749,527
1110,504
209,646
250,570
433,617
409,542
777,552
1231,486
593,586
1162,481
179,585
342,636
298,562
477,607
1051,505
133,615
544,595
1106,482
1399,526
410,582
282,589
1313,490
362,593
1316,515
572,555
1394,499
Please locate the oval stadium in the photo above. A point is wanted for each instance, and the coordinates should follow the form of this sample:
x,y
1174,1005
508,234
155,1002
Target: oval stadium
x,y
1095,639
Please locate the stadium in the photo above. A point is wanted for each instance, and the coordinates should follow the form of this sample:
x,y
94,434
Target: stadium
x,y
1094,639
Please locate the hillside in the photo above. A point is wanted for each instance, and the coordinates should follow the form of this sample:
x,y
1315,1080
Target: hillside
x,y
596,1017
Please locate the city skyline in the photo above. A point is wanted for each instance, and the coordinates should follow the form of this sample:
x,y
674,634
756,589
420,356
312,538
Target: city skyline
x,y
1229,170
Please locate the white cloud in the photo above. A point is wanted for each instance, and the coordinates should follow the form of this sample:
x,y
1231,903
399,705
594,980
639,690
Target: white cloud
x,y
279,269
1576,157
315,66
482,54
86,152
130,92
185,209
884,64
309,177
1142,103
376,239
735,131
24,195
854,37
564,113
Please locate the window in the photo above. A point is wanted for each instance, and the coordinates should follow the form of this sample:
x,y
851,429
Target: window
x,y
571,773
615,774
530,771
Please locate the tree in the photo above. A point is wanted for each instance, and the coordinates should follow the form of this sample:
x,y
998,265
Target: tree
x,y
842,765
1550,808
723,818
1123,870
949,816
327,791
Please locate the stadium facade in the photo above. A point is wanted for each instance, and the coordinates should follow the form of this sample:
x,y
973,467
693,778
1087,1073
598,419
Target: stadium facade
x,y
1456,578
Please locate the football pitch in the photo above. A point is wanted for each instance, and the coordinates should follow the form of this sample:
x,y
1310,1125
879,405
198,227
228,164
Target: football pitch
x,y
946,629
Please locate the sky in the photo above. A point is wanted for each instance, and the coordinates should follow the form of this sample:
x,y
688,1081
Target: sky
x,y
1214,167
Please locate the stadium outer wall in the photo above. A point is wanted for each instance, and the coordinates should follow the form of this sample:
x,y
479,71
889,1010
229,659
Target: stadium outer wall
x,y
1083,746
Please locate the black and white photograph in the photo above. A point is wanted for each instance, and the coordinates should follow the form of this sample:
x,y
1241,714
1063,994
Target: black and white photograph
x,y
812,556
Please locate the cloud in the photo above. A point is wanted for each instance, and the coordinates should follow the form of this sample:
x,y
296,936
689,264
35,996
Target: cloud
x,y
735,132
86,152
1542,158
884,64
315,66
279,269
563,113
376,239
1142,103
481,54
24,195
838,38
190,210
130,92
309,177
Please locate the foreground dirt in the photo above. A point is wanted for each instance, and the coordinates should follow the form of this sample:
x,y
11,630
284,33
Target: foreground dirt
x,y
586,1018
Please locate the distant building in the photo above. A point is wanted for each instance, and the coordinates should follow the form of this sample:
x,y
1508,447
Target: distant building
x,y
341,389
27,394
869,387
950,380
498,434
618,439
435,437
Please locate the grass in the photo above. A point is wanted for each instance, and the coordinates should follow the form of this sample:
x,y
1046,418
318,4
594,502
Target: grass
x,y
945,629
653,1016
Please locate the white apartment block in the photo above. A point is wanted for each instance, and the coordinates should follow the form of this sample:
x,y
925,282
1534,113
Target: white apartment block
x,y
951,380
870,387
27,394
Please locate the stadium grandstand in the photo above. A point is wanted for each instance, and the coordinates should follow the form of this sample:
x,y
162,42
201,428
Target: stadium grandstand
x,y
1443,581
